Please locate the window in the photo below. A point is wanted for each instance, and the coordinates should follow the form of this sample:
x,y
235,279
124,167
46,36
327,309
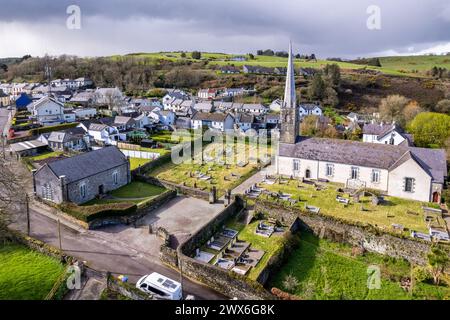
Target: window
x,y
115,177
296,165
355,173
409,185
330,170
375,176
83,190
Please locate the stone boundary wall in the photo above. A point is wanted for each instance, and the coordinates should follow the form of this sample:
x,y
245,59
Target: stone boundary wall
x,y
140,213
126,289
191,192
368,237
226,282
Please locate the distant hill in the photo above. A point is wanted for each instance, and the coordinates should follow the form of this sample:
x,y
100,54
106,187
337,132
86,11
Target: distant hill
x,y
408,64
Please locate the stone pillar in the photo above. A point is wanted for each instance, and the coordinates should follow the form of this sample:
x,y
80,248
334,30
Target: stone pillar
x,y
213,195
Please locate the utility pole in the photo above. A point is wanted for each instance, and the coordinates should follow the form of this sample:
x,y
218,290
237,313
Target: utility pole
x,y
180,264
59,236
27,203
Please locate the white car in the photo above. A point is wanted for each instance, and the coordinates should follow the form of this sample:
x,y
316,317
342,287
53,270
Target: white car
x,y
160,286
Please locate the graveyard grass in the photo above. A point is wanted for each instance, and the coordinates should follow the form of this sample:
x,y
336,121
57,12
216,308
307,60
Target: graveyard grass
x,y
327,270
381,216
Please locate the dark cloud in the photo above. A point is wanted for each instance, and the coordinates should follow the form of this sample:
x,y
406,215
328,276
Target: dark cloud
x,y
327,27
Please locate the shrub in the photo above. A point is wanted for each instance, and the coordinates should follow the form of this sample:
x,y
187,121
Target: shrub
x,y
290,283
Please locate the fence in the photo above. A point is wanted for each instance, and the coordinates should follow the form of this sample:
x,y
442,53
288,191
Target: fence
x,y
140,154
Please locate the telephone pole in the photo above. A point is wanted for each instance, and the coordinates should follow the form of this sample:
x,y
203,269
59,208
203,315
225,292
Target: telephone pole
x,y
59,236
27,203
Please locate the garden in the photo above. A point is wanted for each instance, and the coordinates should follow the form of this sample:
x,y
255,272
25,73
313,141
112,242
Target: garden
x,y
26,274
322,270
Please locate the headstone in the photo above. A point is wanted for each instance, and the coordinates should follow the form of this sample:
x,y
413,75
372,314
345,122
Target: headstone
x,y
213,195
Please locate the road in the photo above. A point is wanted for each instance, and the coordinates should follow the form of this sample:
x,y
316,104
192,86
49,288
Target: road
x,y
102,252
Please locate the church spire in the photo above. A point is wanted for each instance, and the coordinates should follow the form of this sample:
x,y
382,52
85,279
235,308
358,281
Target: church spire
x,y
290,98
289,112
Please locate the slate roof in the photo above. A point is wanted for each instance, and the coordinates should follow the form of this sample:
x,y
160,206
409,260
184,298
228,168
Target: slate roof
x,y
377,129
216,117
381,156
88,164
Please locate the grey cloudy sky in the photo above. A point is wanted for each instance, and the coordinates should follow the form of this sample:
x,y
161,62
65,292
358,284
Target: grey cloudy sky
x,y
328,28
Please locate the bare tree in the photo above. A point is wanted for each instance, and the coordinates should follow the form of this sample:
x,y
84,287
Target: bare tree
x,y
12,189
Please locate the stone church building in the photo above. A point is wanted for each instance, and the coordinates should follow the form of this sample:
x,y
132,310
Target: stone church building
x,y
400,171
82,178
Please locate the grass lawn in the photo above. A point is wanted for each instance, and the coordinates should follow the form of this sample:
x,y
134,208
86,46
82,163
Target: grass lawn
x,y
326,270
26,274
135,192
137,162
381,216
221,174
47,155
268,245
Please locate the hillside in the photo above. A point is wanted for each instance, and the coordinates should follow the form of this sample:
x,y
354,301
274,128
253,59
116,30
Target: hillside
x,y
411,63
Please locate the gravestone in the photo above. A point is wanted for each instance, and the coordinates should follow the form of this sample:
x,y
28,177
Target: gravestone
x,y
213,195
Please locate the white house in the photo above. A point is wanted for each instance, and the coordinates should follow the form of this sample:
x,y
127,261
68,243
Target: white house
x,y
386,134
69,116
85,113
103,133
207,94
244,121
47,111
276,105
217,121
253,108
309,109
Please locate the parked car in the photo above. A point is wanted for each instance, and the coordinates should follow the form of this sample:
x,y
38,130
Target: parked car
x,y
160,286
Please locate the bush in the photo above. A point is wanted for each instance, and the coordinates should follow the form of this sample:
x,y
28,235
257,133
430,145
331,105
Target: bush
x,y
98,211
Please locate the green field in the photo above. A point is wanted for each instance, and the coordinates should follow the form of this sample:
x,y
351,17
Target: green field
x,y
327,270
398,66
381,216
421,63
26,274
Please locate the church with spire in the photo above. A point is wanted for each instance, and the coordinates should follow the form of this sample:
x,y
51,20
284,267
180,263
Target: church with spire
x,y
395,170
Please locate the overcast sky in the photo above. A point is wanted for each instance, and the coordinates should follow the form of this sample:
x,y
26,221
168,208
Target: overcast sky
x,y
329,28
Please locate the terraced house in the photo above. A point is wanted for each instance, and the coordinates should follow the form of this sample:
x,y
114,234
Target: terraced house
x,y
396,170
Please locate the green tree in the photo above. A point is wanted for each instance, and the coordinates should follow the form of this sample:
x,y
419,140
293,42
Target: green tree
x,y
183,54
317,88
197,55
430,129
438,260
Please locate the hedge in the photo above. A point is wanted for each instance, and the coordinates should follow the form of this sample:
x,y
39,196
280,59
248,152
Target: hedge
x,y
98,211
38,131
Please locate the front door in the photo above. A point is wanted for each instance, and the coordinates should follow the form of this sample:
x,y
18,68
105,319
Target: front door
x,y
308,174
436,197
101,189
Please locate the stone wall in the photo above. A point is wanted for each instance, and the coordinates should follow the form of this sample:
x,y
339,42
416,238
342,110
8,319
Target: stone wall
x,y
188,191
226,282
367,237
126,289
140,213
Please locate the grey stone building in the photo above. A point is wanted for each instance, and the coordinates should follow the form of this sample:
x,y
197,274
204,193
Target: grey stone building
x,y
83,177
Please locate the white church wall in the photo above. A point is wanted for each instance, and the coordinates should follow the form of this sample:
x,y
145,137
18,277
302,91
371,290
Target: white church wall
x,y
422,185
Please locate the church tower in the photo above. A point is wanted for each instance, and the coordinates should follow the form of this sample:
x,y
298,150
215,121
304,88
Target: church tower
x,y
289,110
